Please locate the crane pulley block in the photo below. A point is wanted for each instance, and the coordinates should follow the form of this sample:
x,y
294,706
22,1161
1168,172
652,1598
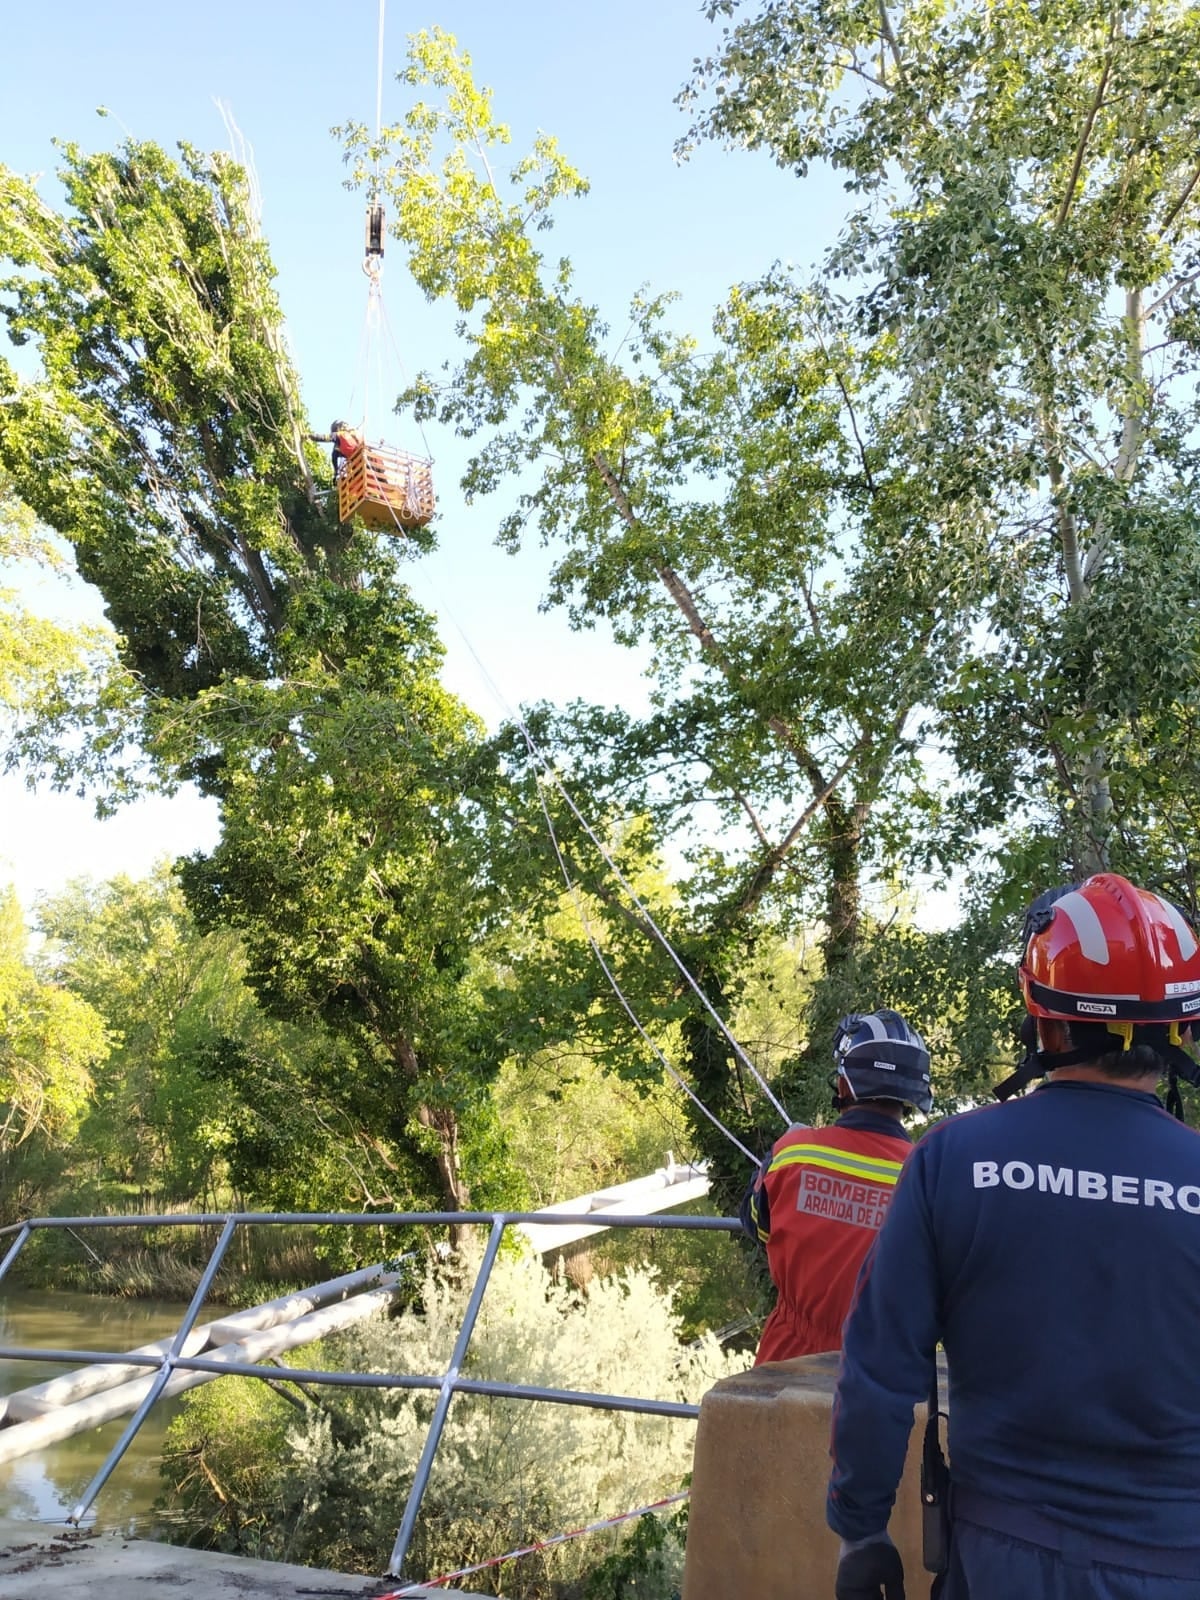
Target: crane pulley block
x,y
375,231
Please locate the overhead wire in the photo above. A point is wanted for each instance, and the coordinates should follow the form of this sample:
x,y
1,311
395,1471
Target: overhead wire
x,y
387,328
581,912
577,900
379,86
362,364
547,767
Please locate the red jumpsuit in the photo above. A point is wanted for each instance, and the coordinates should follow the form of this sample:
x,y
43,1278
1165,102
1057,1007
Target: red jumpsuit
x,y
817,1204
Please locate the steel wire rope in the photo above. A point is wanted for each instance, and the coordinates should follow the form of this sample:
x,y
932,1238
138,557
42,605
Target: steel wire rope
x,y
377,312
362,365
547,767
387,328
581,911
375,304
379,85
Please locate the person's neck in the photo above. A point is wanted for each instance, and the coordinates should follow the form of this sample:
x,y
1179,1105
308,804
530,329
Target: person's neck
x,y
881,1108
1146,1082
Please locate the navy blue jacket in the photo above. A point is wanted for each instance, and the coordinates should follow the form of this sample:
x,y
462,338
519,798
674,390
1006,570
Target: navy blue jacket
x,y
1053,1245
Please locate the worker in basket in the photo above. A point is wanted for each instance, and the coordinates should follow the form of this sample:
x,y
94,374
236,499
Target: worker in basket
x,y
346,442
821,1194
1052,1245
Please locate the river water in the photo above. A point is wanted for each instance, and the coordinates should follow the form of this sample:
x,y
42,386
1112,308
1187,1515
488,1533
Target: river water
x,y
44,1487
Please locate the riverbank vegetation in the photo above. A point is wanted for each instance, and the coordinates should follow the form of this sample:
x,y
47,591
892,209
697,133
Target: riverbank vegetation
x,y
323,1477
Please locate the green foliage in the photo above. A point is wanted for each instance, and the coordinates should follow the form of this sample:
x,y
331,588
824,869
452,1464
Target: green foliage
x,y
1027,241
571,1127
507,1472
164,439
278,660
649,1564
240,1426
51,1042
167,995
54,680
741,514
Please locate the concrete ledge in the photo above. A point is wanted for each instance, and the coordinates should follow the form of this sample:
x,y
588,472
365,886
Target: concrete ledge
x,y
757,1520
68,1564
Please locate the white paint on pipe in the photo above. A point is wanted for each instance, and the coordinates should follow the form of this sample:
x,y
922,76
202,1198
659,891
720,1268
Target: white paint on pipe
x,y
36,1401
23,1438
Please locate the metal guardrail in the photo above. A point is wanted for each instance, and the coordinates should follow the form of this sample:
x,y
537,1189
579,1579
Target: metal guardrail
x,y
447,1384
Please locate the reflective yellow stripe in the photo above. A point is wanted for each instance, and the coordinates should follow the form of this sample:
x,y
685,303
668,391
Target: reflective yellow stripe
x,y
763,1235
887,1179
801,1152
870,1168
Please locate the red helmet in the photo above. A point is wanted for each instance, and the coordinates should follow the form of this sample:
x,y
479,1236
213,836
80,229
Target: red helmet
x,y
1109,952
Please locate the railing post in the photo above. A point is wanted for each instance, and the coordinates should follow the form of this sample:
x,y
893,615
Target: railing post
x,y
440,1411
161,1377
15,1248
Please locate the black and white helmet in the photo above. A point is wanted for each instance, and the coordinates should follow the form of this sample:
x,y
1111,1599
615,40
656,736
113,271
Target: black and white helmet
x,y
879,1057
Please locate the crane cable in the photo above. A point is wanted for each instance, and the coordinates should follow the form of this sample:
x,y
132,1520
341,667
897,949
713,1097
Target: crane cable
x,y
546,767
379,91
368,348
581,912
376,322
577,901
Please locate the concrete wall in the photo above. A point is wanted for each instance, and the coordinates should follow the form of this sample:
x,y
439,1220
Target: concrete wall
x,y
757,1519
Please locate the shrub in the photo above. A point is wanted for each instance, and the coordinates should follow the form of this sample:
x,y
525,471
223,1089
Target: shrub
x,y
507,1473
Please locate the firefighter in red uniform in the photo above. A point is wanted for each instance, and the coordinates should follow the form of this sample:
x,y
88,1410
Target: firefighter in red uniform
x,y
347,442
821,1194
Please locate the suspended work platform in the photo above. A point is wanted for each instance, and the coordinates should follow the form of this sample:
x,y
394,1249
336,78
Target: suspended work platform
x,y
387,489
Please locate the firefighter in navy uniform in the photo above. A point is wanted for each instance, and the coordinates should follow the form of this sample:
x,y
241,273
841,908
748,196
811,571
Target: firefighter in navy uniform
x,y
1053,1246
820,1195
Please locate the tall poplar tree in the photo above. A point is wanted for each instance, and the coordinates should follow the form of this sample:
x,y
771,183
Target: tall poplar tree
x,y
271,654
740,511
1026,229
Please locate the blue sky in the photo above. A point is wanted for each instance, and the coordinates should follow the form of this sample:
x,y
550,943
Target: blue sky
x,y
602,79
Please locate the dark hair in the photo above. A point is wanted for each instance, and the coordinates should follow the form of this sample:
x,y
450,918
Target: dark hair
x,y
1146,1055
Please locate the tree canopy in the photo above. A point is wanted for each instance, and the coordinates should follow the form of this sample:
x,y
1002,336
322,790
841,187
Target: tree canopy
x,y
1026,231
274,655
889,530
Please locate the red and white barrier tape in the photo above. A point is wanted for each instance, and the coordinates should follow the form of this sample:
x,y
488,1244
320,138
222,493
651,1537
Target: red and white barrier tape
x,y
531,1549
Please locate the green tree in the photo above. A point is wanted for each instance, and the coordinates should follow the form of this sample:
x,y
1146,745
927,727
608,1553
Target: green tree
x,y
54,680
1027,232
171,999
51,1042
278,660
738,511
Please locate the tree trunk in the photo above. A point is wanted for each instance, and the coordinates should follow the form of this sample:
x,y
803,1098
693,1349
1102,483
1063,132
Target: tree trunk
x,y
843,896
443,1123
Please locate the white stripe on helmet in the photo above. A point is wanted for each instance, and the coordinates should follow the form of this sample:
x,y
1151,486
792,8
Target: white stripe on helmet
x,y
1187,939
1081,914
876,1024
